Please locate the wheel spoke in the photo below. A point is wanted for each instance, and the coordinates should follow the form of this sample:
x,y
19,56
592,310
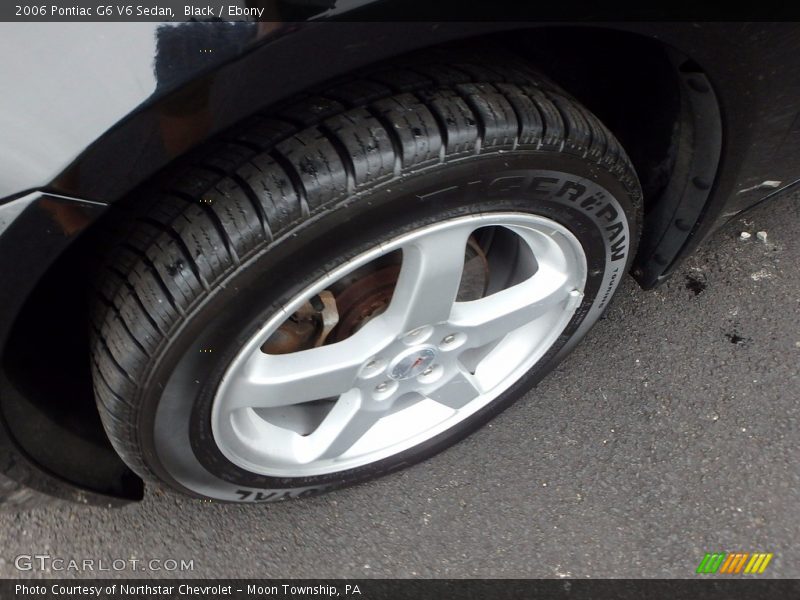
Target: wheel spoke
x,y
271,380
429,278
344,425
458,391
495,316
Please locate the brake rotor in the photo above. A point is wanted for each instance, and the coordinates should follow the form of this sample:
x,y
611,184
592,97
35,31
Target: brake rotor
x,y
365,298
336,314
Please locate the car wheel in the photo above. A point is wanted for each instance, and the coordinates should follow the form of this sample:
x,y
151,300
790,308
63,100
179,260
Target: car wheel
x,y
357,281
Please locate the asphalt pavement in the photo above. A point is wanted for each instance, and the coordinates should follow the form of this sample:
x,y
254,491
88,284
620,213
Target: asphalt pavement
x,y
671,431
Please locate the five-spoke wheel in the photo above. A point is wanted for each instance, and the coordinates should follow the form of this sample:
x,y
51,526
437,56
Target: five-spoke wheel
x,y
425,362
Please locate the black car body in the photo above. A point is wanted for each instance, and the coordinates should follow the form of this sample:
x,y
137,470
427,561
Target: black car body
x,y
707,111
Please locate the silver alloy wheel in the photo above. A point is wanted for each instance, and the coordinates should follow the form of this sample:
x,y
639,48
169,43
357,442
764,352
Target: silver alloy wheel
x,y
425,364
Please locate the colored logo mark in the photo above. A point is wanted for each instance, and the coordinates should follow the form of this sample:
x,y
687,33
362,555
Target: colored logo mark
x,y
734,563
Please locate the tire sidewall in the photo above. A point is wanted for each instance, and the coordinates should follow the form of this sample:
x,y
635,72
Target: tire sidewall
x,y
176,397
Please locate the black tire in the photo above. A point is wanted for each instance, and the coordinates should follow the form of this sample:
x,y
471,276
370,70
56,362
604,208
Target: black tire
x,y
218,244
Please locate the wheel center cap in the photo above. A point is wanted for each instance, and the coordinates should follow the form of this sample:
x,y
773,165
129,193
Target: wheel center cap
x,y
412,362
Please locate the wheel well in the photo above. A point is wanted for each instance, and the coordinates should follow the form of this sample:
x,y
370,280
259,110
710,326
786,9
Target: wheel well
x,y
48,402
627,80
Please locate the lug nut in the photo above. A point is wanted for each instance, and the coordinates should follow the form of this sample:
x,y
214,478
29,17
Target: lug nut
x,y
382,387
372,368
417,336
449,339
428,371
